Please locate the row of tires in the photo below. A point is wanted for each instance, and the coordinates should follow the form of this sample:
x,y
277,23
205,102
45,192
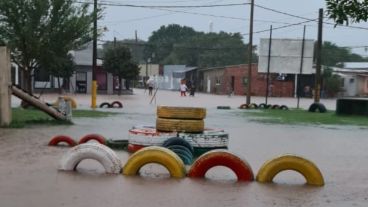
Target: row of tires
x,y
172,162
114,104
56,140
263,106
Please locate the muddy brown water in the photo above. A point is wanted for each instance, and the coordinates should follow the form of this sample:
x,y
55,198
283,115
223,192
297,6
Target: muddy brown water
x,y
29,175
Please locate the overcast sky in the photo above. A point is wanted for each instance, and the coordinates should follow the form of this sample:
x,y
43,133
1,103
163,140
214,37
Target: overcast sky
x,y
122,22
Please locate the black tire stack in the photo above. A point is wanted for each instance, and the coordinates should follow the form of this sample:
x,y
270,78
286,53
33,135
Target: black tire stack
x,y
180,147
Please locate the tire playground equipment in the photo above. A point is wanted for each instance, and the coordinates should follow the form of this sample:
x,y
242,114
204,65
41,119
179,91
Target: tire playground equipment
x,y
117,144
96,137
317,107
62,138
184,153
209,138
179,125
248,106
224,107
148,136
305,167
170,112
132,148
275,106
159,155
114,104
221,158
104,155
178,141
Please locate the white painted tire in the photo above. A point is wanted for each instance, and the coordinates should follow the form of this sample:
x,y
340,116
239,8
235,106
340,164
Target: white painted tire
x,y
208,139
148,136
95,151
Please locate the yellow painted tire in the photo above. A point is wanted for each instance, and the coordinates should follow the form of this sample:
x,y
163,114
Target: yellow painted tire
x,y
305,167
160,155
179,125
67,98
172,112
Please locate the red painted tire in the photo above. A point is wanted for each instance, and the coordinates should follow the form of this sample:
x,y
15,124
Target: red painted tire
x,y
221,158
62,138
97,137
118,103
134,147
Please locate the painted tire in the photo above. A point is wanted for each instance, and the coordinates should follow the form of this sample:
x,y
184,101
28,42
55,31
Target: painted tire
x,y
305,167
171,112
104,155
62,138
118,103
221,158
135,147
284,107
317,107
179,125
244,106
207,139
198,151
185,155
148,136
178,141
97,137
275,106
108,105
160,155
223,107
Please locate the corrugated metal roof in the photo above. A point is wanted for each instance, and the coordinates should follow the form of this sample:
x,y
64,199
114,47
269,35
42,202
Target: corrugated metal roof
x,y
356,65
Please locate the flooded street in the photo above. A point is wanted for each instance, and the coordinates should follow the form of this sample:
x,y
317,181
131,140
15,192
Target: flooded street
x,y
29,175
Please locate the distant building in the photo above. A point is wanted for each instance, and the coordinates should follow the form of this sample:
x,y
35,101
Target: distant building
x,y
354,78
233,80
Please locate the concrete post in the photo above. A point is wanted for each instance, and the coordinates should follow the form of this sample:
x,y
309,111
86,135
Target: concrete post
x,y
5,90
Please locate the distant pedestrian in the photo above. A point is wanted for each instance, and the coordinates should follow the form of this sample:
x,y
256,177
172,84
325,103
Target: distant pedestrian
x,y
183,89
151,85
192,90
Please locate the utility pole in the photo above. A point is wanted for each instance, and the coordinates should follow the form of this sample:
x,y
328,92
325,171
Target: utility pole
x,y
317,87
301,69
94,57
250,52
268,64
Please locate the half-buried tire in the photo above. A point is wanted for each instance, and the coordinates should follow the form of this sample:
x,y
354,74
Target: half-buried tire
x,y
296,163
184,155
178,141
132,148
116,104
159,155
62,138
104,155
105,105
96,137
221,158
317,107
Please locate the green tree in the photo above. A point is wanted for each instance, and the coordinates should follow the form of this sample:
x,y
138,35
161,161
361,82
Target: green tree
x,y
136,48
346,11
41,32
162,41
333,54
331,82
118,61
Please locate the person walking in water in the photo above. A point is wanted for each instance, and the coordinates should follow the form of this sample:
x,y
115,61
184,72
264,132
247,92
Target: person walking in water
x,y
151,85
183,89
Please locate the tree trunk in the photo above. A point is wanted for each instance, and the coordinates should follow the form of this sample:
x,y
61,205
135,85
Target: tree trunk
x,y
59,87
127,86
27,81
120,85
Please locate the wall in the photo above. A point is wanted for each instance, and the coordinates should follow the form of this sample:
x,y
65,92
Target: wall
x,y
213,80
5,91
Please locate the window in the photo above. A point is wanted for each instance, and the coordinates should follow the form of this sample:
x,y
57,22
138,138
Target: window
x,y
218,81
342,83
351,80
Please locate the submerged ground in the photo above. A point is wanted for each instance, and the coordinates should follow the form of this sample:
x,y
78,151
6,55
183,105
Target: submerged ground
x,y
29,176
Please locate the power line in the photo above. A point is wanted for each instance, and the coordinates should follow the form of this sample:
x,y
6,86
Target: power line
x,y
281,27
300,17
105,3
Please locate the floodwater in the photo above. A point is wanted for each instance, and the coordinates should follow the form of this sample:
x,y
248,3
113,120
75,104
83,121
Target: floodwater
x,y
29,175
